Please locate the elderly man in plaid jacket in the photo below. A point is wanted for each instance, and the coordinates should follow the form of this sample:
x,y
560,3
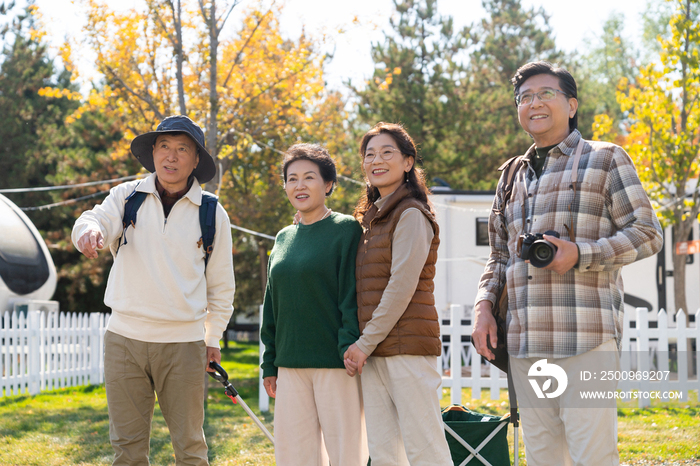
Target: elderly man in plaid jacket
x,y
566,313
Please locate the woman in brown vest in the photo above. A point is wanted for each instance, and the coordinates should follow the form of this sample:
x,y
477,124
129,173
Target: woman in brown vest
x,y
400,332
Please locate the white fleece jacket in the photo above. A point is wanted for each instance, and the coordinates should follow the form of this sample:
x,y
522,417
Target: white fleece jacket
x,y
157,288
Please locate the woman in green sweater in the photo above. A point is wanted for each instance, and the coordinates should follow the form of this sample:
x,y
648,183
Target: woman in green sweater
x,y
310,320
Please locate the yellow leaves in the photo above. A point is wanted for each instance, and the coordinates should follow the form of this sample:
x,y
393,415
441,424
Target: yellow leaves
x,y
95,101
133,57
602,127
273,77
121,149
663,121
56,93
384,85
66,54
39,33
388,79
397,70
623,84
270,88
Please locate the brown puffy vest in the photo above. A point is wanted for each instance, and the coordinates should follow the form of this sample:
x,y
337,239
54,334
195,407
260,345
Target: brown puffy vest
x,y
418,330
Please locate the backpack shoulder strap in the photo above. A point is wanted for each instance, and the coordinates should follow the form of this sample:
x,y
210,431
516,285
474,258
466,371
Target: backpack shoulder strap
x,y
207,222
510,168
132,205
207,219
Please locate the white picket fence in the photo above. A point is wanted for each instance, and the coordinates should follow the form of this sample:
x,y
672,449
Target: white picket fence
x,y
47,350
643,349
42,351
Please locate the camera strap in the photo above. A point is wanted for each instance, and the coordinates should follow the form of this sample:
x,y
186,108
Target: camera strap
x,y
574,180
577,158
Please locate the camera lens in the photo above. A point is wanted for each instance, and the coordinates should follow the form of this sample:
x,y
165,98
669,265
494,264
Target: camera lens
x,y
542,253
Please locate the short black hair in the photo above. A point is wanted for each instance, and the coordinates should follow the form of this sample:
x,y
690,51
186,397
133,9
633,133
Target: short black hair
x,y
566,82
313,153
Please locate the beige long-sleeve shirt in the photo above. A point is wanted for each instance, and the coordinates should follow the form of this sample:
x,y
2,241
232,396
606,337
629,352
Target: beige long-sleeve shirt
x,y
158,288
409,250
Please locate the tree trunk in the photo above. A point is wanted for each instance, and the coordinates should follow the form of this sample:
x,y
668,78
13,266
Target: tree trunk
x,y
179,53
681,231
212,124
679,281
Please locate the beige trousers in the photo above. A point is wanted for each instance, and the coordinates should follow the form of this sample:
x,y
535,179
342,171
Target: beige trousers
x,y
404,423
134,370
319,417
556,434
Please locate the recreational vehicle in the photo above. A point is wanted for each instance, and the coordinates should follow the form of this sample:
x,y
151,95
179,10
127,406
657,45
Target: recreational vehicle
x,y
27,272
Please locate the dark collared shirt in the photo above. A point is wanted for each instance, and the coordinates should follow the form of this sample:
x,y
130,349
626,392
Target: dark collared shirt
x,y
169,199
539,158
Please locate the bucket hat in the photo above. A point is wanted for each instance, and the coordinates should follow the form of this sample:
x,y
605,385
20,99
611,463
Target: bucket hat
x,y
142,145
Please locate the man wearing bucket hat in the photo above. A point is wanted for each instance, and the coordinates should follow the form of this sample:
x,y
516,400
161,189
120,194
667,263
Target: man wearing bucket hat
x,y
170,300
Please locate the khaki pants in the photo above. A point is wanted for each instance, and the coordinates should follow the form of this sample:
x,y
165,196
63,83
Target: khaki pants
x,y
319,417
404,423
556,434
175,371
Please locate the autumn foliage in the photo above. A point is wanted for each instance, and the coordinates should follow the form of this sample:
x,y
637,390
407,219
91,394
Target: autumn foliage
x,y
663,128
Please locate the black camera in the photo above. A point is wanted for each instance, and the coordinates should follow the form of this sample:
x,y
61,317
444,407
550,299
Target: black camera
x,y
536,249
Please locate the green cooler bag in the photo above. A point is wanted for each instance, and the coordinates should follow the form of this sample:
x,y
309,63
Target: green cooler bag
x,y
487,435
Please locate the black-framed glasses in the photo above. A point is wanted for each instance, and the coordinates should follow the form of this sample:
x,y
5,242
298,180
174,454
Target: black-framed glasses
x,y
545,95
386,153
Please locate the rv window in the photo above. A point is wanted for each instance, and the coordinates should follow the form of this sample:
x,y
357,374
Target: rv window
x,y
482,231
17,243
23,266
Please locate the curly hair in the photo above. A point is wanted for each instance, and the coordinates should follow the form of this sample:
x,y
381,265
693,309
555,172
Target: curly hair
x,y
313,153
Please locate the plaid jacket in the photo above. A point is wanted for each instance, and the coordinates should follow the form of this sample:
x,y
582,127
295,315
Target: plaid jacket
x,y
557,316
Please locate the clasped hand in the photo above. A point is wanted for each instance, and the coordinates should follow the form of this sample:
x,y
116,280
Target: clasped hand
x,y
354,360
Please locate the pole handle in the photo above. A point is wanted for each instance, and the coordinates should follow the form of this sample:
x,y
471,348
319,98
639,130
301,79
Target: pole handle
x,y
220,375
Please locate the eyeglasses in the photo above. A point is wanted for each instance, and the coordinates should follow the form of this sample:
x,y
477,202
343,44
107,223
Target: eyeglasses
x,y
544,95
385,153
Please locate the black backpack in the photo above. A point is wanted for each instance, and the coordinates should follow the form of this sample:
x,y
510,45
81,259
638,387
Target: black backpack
x,y
207,219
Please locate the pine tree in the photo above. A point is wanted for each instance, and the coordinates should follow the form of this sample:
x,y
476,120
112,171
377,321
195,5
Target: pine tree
x,y
451,89
416,79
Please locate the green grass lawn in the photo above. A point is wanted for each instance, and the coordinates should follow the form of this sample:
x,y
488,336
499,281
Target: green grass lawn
x,y
70,426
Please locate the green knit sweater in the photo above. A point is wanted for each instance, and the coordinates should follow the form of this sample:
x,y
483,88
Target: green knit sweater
x,y
310,309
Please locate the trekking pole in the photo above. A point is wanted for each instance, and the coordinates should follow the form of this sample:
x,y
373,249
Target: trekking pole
x,y
514,417
221,376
